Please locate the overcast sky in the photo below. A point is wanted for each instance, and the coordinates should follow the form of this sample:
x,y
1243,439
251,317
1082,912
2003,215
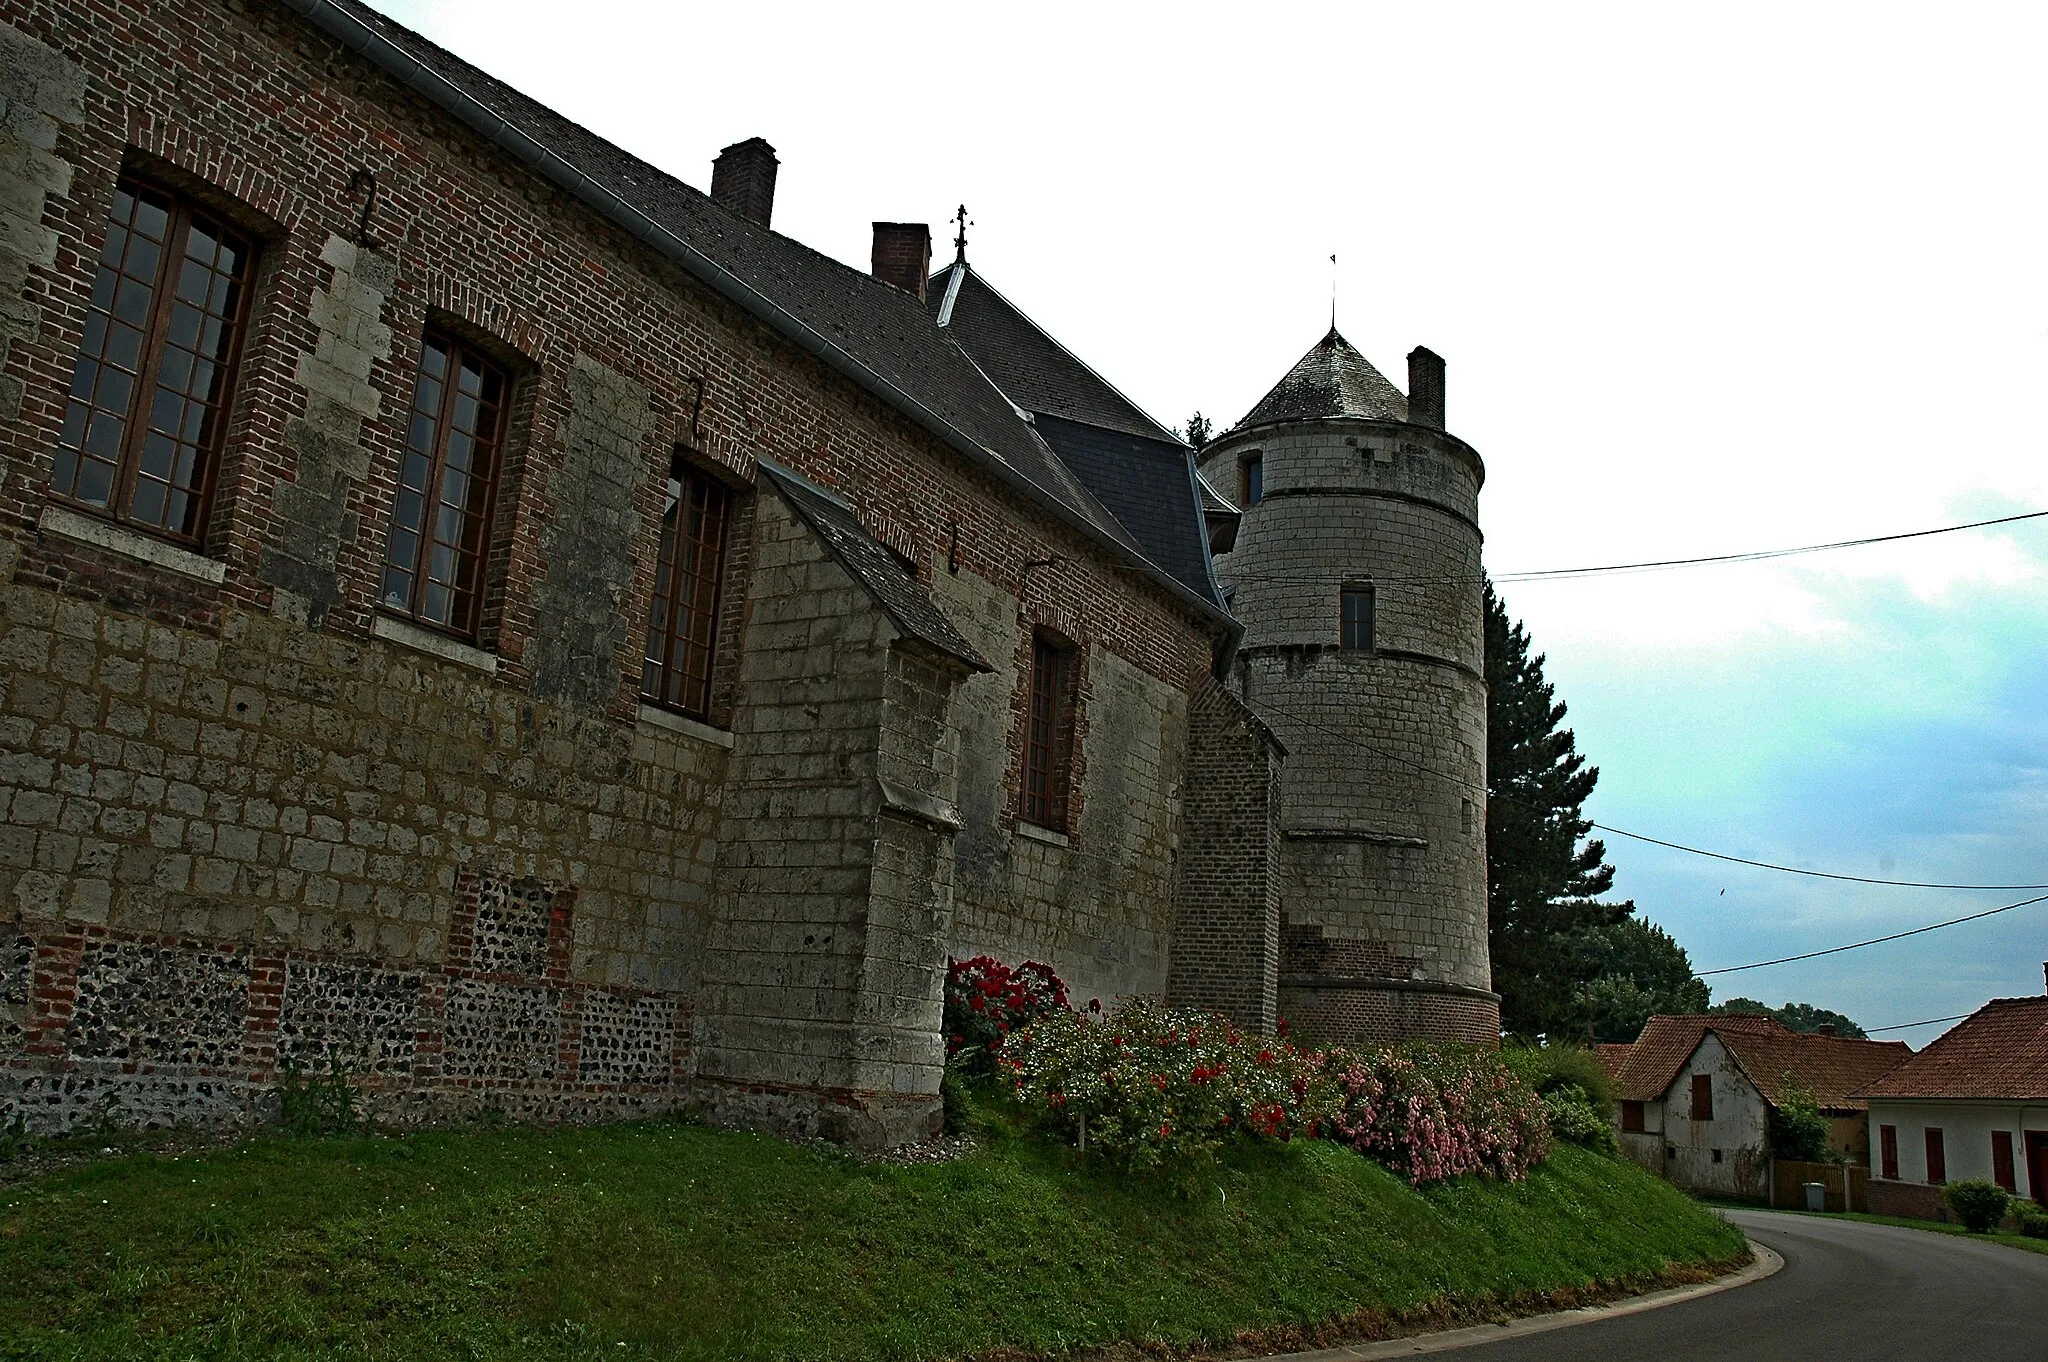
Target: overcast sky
x,y
1707,280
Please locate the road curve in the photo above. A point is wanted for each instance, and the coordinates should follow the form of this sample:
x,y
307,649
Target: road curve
x,y
1847,1290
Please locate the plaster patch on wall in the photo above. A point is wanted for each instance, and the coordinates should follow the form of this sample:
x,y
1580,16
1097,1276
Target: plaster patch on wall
x,y
579,604
40,91
159,1004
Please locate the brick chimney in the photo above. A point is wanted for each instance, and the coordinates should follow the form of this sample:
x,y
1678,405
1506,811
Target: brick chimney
x,y
1825,1029
1426,388
743,179
902,255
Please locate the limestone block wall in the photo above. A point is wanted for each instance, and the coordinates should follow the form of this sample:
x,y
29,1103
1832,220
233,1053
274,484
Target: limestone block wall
x,y
1382,819
824,969
1095,900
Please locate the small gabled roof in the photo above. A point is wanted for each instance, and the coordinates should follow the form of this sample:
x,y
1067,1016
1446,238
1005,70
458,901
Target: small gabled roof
x,y
1769,1053
874,566
1998,1051
1333,379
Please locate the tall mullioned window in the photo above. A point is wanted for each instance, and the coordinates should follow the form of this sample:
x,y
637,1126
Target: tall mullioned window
x,y
440,522
148,409
682,630
1048,735
1355,608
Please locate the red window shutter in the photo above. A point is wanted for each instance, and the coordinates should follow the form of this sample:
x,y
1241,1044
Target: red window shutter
x,y
1702,1097
1632,1116
1888,1146
2001,1160
1937,1157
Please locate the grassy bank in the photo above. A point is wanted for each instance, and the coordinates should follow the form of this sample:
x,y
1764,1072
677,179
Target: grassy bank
x,y
669,1240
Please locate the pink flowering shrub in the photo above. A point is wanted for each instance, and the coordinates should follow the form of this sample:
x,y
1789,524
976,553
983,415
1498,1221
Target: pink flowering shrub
x,y
1150,1086
987,1001
1429,1113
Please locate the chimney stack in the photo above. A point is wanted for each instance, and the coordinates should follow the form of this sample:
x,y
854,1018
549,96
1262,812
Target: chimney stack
x,y
1426,388
903,256
743,179
1825,1029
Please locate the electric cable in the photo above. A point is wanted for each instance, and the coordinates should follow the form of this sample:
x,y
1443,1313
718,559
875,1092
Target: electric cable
x,y
1907,1026
1873,941
1648,565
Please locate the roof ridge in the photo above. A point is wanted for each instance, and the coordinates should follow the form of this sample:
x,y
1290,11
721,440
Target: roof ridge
x,y
968,271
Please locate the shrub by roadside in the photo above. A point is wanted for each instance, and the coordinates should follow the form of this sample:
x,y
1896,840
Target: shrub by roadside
x,y
1980,1205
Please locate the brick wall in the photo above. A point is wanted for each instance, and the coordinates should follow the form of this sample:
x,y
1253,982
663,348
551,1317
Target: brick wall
x,y
226,767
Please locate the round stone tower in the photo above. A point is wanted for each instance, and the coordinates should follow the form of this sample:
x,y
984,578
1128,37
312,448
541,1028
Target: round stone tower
x,y
1356,573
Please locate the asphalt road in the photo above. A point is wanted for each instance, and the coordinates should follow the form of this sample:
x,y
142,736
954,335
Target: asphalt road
x,y
1847,1290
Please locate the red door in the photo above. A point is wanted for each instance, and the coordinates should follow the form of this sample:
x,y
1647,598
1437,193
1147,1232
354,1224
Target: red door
x,y
2037,1165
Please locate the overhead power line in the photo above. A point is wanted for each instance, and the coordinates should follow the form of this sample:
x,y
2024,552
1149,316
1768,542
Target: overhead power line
x,y
1873,941
1481,790
1907,1026
1650,565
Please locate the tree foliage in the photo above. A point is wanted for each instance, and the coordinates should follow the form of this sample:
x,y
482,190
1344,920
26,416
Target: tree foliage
x,y
1544,874
1628,972
1802,1017
1798,1130
1200,430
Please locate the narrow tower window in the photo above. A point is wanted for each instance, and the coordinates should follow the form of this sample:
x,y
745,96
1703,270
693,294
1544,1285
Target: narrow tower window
x,y
1049,735
1357,608
150,396
1252,480
434,563
682,634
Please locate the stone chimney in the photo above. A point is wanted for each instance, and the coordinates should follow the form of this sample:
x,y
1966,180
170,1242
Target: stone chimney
x,y
743,179
1426,388
903,256
1825,1029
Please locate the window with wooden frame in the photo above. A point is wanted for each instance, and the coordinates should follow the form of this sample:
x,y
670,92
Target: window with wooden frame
x,y
1888,1152
149,401
447,484
1251,480
1048,734
1632,1117
682,627
1355,607
1937,1157
1702,1097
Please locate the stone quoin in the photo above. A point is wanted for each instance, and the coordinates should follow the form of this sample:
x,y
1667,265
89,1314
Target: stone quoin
x,y
481,615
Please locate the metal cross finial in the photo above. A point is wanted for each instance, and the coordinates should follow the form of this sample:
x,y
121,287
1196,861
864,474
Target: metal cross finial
x,y
960,241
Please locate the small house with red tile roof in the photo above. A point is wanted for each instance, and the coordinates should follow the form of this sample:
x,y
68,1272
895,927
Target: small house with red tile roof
x,y
1973,1104
1696,1095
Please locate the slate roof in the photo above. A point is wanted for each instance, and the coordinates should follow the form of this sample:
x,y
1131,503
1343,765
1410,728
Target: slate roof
x,y
1141,471
1332,379
874,566
886,333
1833,1068
1999,1051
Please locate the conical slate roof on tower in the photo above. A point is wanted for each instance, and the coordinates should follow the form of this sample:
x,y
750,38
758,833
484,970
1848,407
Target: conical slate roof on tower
x,y
1332,379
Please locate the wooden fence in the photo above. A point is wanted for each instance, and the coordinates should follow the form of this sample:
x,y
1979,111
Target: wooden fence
x,y
1846,1185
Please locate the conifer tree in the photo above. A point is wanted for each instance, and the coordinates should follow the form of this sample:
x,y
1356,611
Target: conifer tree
x,y
1544,874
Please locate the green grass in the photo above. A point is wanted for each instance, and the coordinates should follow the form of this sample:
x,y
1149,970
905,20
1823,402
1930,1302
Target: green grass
x,y
2008,1237
667,1240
